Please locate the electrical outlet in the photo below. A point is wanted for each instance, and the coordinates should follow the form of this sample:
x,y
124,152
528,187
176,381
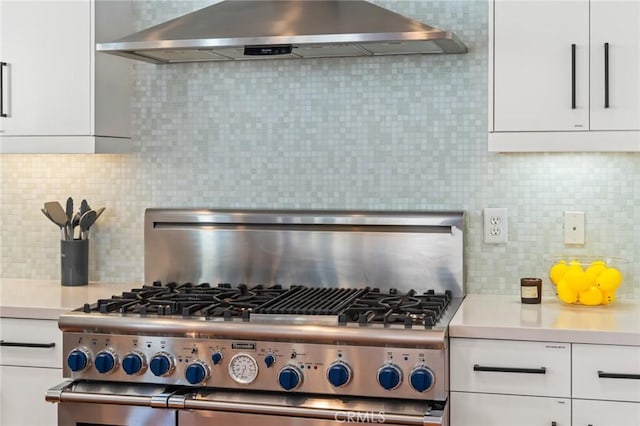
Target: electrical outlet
x,y
495,225
573,227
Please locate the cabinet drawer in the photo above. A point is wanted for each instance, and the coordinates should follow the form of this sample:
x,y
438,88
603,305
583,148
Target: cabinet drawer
x,y
605,413
606,372
481,409
33,341
22,391
512,367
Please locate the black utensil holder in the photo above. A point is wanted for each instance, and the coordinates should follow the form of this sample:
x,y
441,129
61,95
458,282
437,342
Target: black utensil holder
x,y
74,262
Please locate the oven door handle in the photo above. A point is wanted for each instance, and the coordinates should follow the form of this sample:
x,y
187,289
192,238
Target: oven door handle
x,y
64,393
186,402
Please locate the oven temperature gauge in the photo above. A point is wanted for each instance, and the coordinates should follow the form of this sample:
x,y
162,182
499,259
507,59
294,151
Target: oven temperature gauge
x,y
243,369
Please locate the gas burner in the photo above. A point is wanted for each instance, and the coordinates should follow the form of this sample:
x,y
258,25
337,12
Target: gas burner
x,y
395,308
188,299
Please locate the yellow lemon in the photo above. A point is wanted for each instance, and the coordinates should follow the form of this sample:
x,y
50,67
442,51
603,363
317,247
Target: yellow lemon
x,y
609,279
591,297
596,267
608,297
566,293
577,279
574,264
591,278
557,271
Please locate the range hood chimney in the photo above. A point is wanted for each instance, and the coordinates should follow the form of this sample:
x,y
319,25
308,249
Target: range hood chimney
x,y
281,29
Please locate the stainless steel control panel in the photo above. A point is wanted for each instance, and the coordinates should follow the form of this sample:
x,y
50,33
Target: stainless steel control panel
x,y
258,365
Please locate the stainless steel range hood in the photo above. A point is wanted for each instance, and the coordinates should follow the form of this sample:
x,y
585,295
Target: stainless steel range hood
x,y
278,29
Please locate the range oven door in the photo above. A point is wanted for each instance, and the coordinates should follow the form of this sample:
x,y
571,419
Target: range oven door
x,y
112,404
225,408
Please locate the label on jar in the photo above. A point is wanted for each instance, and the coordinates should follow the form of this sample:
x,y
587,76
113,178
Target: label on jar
x,y
529,292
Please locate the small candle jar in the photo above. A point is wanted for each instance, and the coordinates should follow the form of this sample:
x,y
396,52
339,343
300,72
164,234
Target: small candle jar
x,y
530,290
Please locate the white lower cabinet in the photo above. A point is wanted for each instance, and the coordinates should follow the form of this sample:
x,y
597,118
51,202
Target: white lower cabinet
x,y
606,372
30,363
511,367
508,383
22,396
481,409
503,382
605,413
606,385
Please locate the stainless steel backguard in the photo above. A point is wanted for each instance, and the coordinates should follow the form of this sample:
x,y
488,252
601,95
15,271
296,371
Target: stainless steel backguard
x,y
402,250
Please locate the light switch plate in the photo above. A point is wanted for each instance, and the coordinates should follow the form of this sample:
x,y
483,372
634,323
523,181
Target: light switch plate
x,y
573,227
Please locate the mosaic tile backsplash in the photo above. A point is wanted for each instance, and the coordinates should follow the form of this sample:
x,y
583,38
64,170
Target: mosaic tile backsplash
x,y
386,133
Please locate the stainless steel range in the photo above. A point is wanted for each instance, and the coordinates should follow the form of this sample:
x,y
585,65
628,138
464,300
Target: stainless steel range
x,y
275,317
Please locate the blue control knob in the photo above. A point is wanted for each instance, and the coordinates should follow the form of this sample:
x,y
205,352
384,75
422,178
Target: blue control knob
x,y
161,364
269,360
216,357
339,374
196,372
421,379
78,360
389,377
105,362
132,363
289,378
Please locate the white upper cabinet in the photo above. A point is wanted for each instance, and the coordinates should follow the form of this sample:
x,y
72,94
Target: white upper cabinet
x,y
533,65
551,85
616,25
58,94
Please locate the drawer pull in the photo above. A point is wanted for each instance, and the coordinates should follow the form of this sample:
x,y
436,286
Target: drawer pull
x,y
28,345
2,113
604,375
573,76
606,75
541,370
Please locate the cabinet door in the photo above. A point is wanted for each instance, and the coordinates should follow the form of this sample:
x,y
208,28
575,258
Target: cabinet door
x,y
36,343
605,413
533,65
480,409
47,48
22,391
606,372
510,367
616,23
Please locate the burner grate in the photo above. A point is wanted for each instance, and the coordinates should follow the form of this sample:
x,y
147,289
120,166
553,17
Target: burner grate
x,y
362,306
409,309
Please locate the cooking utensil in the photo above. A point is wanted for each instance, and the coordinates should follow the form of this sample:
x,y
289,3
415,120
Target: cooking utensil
x,y
99,212
86,220
84,207
74,223
58,216
69,212
46,213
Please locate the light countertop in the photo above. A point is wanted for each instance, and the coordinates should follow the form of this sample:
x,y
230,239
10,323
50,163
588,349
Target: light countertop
x,y
505,317
43,299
